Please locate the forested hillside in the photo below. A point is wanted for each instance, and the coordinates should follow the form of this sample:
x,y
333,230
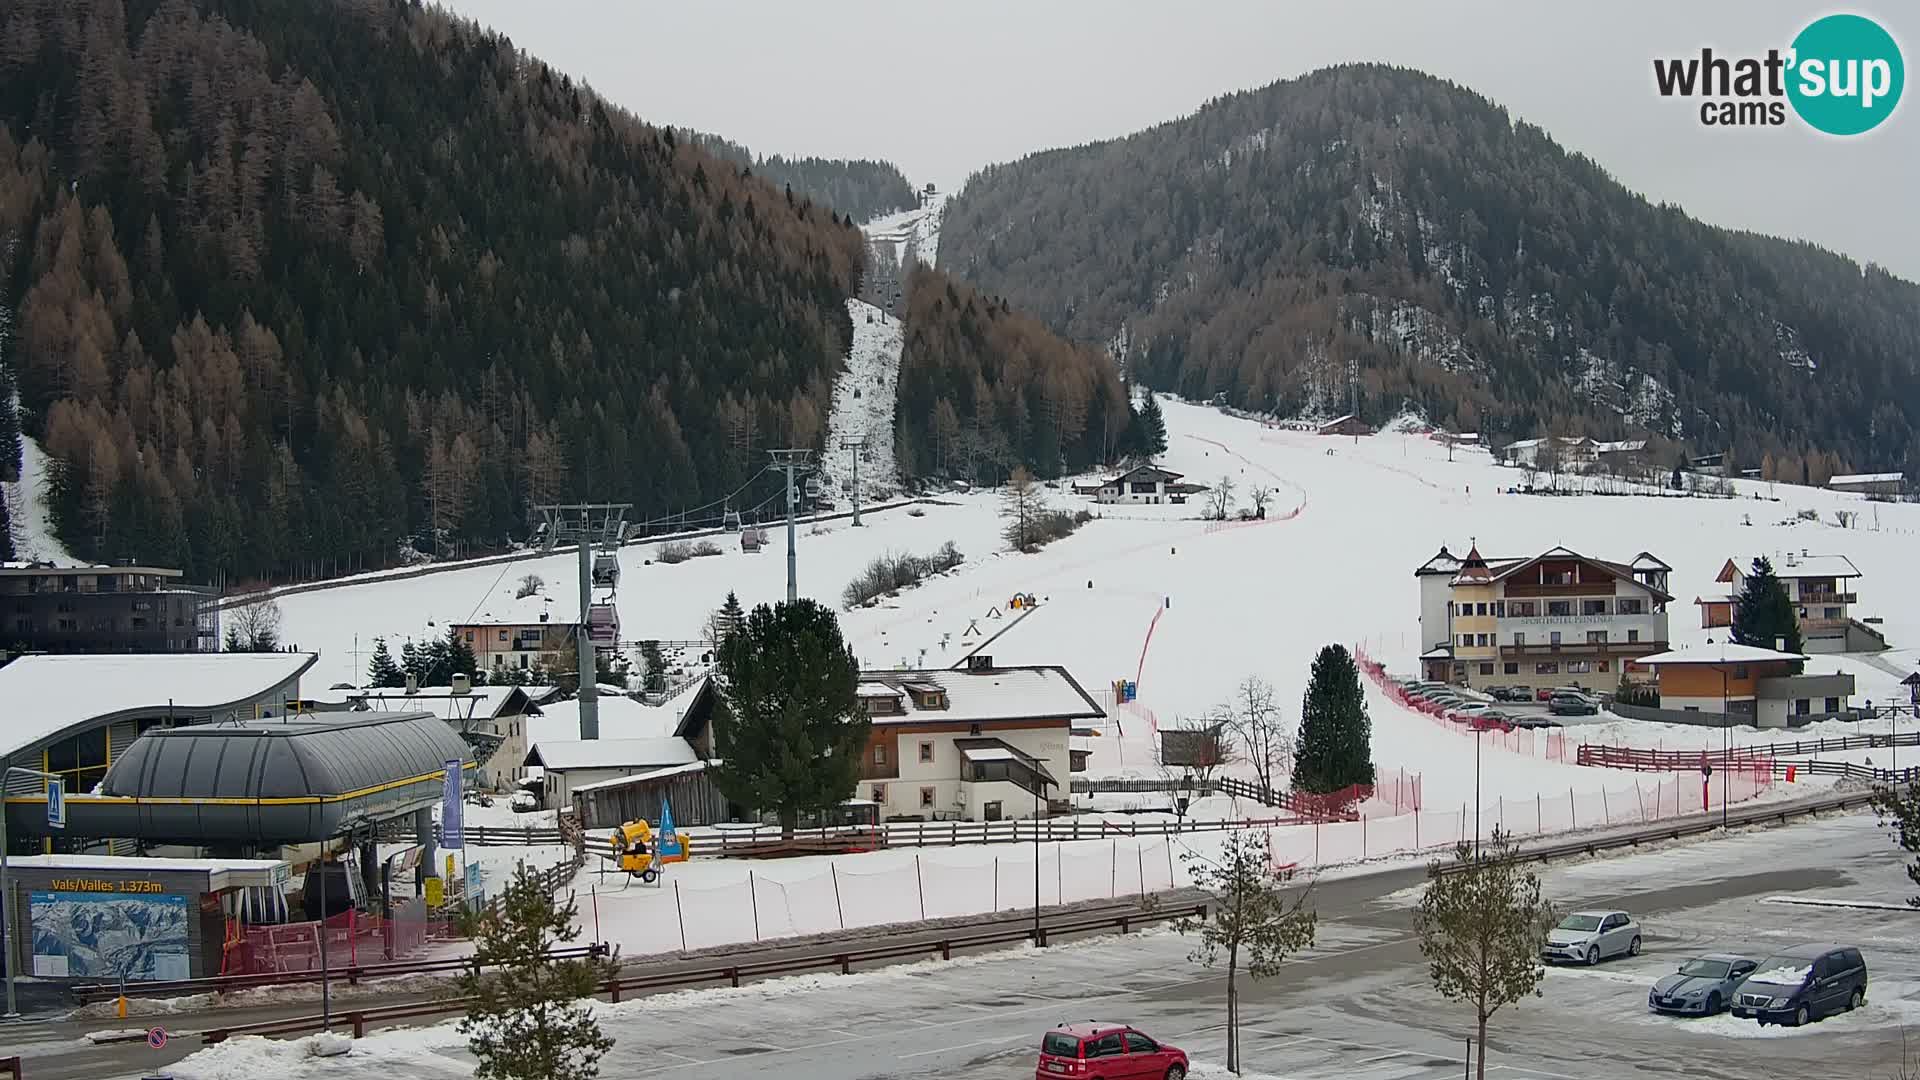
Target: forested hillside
x,y
984,388
861,189
295,282
1376,222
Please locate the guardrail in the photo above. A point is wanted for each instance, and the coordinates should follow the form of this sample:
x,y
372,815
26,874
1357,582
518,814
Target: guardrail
x,y
359,1020
747,842
1684,827
1747,759
352,975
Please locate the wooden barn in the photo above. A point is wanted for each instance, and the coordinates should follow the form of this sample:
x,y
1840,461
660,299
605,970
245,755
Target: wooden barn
x,y
695,800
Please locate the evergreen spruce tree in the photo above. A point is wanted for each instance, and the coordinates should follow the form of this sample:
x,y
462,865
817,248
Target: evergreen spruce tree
x,y
460,658
655,679
530,1017
731,615
787,729
414,663
381,670
1336,736
1153,429
6,530
9,424
1763,616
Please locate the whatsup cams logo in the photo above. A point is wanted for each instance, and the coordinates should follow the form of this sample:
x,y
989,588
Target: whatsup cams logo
x,y
1842,75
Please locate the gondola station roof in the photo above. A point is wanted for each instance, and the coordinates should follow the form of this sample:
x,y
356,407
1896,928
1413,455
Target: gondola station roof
x,y
269,782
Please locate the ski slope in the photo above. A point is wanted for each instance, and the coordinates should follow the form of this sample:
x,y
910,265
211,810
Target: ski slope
x,y
33,536
914,234
1333,562
863,403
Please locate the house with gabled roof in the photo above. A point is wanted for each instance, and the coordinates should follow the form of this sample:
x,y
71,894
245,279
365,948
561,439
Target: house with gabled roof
x,y
1553,619
1141,484
1823,589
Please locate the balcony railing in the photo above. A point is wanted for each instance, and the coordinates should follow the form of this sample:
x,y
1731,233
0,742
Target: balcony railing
x,y
1810,596
1578,588
1589,648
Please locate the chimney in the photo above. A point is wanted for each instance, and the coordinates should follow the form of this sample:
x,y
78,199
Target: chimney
x,y
413,683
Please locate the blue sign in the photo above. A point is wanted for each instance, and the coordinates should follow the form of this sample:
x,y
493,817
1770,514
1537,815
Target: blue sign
x,y
476,898
56,804
669,840
452,832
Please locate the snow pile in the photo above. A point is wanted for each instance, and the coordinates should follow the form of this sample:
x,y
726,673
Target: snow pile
x,y
863,403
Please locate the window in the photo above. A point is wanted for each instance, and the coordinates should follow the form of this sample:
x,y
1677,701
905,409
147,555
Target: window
x,y
1739,671
1487,669
136,622
880,793
469,637
1466,639
926,752
1596,637
1499,609
926,797
1547,667
1519,637
1140,1044
1511,669
1525,609
1802,707
1559,607
1145,487
523,661
503,635
879,753
1593,607
1603,665
1553,637
1833,705
1480,640
73,624
1831,613
1104,1046
1630,605
1578,667
1479,609
1633,636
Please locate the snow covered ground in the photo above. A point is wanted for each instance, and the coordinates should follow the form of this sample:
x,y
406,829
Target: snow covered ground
x,y
863,401
914,234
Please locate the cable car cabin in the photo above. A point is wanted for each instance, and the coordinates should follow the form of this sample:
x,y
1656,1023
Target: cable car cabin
x,y
606,569
813,487
752,539
731,520
634,850
603,624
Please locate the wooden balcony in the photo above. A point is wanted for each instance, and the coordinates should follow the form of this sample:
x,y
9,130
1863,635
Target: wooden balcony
x,y
1628,649
1578,588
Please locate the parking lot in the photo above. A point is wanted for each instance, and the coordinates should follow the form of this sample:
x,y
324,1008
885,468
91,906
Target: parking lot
x,y
1357,1007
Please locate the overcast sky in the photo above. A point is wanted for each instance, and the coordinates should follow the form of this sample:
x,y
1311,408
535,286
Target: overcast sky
x,y
943,89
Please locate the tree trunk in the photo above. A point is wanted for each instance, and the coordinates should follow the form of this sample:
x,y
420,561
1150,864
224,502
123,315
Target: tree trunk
x,y
789,821
1233,1012
1480,1070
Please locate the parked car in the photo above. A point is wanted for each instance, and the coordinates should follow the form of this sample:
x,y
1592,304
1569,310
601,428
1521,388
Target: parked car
x,y
1534,721
1702,986
1097,1051
1592,936
1471,708
1573,705
1511,693
1804,983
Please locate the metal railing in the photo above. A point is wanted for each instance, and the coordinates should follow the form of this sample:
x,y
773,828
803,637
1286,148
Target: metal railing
x,y
351,975
358,1021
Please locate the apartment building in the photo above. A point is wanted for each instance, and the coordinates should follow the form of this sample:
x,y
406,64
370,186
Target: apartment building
x,y
125,608
1824,590
1555,619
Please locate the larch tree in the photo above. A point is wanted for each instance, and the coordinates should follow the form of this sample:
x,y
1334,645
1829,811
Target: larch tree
x,y
1021,504
788,730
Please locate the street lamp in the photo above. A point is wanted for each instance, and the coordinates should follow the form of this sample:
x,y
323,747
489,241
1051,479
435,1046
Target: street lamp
x,y
1477,732
6,886
1725,746
1039,797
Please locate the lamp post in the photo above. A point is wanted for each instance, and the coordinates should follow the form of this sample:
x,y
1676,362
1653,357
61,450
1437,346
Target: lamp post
x,y
1725,745
1912,683
1477,732
6,885
1039,803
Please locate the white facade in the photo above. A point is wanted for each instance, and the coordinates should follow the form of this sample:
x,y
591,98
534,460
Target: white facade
x,y
932,774
1145,484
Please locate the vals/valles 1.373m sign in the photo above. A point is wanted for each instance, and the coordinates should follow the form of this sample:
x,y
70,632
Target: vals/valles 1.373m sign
x,y
1842,75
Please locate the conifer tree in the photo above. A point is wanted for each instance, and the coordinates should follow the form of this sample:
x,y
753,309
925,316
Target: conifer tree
x,y
381,670
530,1017
1336,735
655,679
413,662
1153,429
788,730
1763,616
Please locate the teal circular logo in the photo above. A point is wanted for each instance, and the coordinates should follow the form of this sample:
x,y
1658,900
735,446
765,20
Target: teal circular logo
x,y
1846,74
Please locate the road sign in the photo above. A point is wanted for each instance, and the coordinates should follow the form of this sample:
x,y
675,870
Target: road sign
x,y
436,893
157,1038
56,804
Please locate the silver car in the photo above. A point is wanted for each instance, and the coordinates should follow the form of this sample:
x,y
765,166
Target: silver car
x,y
1703,986
1592,936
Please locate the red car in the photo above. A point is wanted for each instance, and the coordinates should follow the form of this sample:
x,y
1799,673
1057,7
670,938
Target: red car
x,y
1095,1051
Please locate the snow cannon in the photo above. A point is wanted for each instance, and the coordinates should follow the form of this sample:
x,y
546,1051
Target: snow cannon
x,y
633,850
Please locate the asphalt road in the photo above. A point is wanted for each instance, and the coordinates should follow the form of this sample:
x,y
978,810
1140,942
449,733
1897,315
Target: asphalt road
x,y
1357,1006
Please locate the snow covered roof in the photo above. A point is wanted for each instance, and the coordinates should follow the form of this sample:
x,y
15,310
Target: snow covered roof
x,y
645,777
1473,570
1147,472
1866,478
561,755
1001,693
48,696
1646,560
1623,571
1795,566
221,873
876,689
1627,446
1722,653
621,717
1443,563
481,701
559,603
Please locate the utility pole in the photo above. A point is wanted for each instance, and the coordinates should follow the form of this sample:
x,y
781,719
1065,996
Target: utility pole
x,y
855,443
575,522
791,460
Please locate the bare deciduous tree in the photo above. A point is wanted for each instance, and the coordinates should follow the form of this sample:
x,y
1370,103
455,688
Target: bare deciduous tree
x,y
253,626
1221,498
1253,717
1261,496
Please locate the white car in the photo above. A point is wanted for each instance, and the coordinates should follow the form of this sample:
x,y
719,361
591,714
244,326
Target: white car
x,y
1591,936
1469,708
